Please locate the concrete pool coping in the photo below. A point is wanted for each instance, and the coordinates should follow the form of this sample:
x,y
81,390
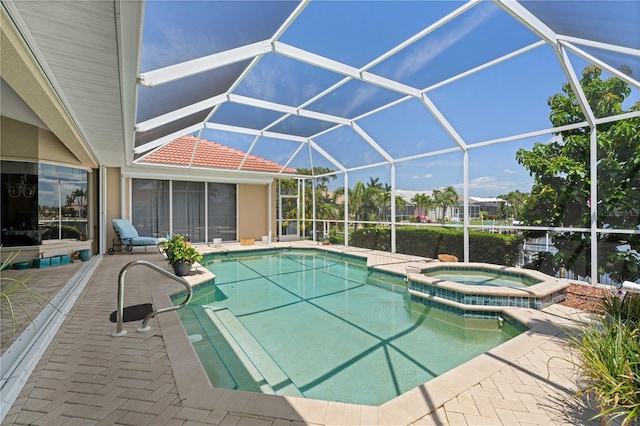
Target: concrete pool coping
x,y
194,387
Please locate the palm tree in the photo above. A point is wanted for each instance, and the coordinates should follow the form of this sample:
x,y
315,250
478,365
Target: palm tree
x,y
423,203
374,183
80,194
400,203
76,197
445,198
363,201
385,201
516,200
503,208
70,199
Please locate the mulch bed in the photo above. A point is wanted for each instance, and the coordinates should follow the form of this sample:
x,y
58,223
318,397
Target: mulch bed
x,y
585,297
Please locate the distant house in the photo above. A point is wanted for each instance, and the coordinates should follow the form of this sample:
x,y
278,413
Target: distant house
x,y
480,204
434,214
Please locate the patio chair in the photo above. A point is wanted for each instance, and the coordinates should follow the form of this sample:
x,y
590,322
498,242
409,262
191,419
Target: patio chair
x,y
129,238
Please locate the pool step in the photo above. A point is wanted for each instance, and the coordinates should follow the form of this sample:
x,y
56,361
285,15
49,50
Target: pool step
x,y
210,356
262,368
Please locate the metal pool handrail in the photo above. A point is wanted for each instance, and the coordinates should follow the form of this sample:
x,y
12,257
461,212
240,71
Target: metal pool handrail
x,y
144,327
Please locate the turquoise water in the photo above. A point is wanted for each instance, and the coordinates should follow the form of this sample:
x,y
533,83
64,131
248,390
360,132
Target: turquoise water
x,y
489,279
308,324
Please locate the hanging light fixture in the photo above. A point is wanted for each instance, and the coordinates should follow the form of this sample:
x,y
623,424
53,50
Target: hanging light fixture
x,y
22,187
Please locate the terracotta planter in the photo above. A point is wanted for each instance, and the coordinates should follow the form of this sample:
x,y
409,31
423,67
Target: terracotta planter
x,y
181,269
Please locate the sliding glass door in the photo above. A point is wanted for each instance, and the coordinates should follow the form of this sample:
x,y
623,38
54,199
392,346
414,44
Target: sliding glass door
x,y
203,211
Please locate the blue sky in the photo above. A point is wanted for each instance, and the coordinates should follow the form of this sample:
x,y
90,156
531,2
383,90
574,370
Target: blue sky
x,y
503,100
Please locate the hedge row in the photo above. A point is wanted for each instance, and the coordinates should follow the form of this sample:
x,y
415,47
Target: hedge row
x,y
430,242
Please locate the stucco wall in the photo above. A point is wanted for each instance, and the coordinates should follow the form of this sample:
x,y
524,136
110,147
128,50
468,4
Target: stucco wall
x,y
18,140
253,211
51,149
23,141
112,208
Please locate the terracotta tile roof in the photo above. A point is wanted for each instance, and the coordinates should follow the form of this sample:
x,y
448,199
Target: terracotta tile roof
x,y
210,154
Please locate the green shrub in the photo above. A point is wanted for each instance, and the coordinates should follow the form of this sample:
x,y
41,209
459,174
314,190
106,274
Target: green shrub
x,y
430,241
608,351
336,238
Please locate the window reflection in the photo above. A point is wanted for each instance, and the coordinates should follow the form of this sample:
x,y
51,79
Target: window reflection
x,y
62,203
42,202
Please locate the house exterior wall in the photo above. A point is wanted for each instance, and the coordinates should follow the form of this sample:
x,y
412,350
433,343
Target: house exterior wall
x,y
112,207
253,211
51,149
18,140
23,141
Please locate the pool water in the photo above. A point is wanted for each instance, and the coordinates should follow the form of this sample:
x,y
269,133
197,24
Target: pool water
x,y
479,278
312,324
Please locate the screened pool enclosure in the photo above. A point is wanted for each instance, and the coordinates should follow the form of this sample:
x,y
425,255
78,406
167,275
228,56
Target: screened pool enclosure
x,y
512,117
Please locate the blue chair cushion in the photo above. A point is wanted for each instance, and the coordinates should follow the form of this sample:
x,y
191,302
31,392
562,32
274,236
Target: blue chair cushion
x,y
124,229
145,241
128,234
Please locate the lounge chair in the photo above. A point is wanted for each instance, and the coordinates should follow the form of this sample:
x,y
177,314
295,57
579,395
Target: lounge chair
x,y
129,237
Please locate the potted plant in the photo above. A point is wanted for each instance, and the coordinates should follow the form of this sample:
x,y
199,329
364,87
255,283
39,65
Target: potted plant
x,y
180,256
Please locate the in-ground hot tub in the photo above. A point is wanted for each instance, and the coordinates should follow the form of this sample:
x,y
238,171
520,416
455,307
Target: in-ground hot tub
x,y
482,276
477,289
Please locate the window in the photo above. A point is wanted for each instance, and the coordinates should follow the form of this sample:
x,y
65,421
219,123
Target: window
x,y
42,202
62,203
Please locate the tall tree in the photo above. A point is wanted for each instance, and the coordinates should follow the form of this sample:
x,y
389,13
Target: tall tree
x,y
444,199
514,201
561,194
422,203
374,183
385,202
364,201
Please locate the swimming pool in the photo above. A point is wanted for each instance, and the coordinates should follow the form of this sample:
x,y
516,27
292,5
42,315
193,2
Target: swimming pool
x,y
323,326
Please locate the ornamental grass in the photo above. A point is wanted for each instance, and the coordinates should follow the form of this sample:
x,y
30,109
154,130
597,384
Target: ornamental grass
x,y
608,351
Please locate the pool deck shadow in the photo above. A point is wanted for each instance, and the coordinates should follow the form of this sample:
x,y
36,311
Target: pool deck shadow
x,y
86,376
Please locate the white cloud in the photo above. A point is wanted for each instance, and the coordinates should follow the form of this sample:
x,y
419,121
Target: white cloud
x,y
487,186
425,176
171,45
266,80
364,93
438,44
509,171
